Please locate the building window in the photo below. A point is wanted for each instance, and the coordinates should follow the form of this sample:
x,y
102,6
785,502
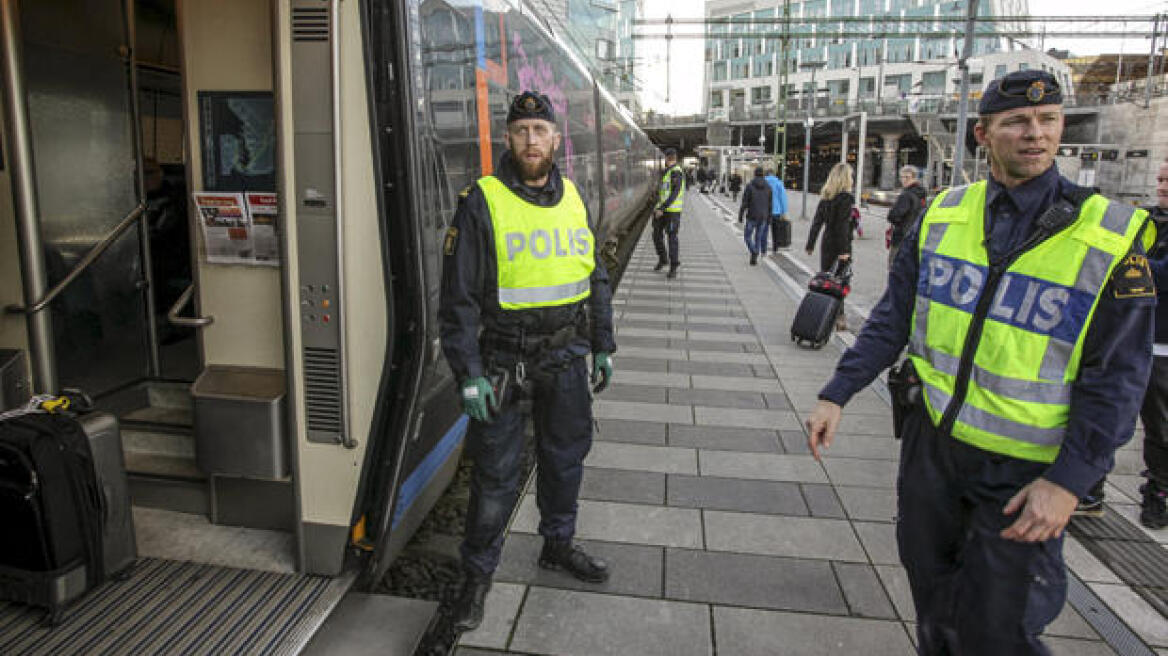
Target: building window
x,y
933,82
763,68
1023,66
740,70
760,95
716,98
719,71
999,71
867,87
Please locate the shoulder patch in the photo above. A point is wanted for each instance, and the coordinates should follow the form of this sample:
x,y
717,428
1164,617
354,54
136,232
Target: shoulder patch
x,y
1133,278
465,191
450,244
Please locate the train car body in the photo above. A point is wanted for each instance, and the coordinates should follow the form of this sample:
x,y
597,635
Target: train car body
x,y
267,184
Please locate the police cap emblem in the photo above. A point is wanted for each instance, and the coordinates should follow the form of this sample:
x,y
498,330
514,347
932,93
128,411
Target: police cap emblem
x,y
1036,92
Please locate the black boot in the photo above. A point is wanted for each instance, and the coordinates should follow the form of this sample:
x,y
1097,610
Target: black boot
x,y
467,612
1154,507
753,259
672,271
572,559
660,265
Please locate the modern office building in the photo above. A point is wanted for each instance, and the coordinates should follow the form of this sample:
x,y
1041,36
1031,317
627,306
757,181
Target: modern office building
x,y
743,61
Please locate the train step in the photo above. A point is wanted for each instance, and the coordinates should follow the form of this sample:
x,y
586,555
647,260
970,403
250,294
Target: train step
x,y
359,626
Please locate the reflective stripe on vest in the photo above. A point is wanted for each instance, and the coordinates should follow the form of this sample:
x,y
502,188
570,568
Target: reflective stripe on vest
x,y
663,194
1027,358
544,254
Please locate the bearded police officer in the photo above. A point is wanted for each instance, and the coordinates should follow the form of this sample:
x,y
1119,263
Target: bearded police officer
x,y
524,301
667,215
1026,304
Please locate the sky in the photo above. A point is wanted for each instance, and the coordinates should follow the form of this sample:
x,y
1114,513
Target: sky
x,y
686,65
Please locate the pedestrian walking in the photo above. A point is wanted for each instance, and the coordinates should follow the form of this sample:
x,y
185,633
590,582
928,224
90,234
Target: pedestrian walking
x,y
909,205
756,207
521,327
735,185
834,216
1026,303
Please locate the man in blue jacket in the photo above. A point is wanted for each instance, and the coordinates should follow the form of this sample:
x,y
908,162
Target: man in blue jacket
x,y
780,227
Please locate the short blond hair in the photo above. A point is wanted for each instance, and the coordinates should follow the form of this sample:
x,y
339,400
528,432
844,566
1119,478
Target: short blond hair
x,y
839,180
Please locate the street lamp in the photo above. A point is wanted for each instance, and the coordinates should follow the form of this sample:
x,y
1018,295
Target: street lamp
x,y
807,123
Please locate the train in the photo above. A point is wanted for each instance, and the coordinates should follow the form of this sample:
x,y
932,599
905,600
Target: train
x,y
223,220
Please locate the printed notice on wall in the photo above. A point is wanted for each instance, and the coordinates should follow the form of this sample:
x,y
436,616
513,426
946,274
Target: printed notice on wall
x,y
227,230
262,207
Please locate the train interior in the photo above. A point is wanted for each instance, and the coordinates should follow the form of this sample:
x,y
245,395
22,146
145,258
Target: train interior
x,y
223,220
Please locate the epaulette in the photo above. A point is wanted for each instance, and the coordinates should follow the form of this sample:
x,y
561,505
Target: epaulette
x,y
465,191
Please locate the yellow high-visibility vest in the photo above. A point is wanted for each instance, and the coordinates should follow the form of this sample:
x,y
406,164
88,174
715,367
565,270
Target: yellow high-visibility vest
x,y
1033,318
663,193
544,254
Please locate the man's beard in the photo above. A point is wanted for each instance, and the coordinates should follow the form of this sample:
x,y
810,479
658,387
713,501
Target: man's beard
x,y
532,171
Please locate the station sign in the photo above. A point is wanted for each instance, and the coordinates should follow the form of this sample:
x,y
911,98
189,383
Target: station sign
x,y
1068,151
1136,154
1109,155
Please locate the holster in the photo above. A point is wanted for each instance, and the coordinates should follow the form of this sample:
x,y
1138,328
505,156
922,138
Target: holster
x,y
905,386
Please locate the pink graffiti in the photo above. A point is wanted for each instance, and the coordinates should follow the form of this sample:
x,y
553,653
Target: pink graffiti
x,y
539,78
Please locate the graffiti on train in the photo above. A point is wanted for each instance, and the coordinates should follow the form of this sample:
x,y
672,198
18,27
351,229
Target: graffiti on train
x,y
539,77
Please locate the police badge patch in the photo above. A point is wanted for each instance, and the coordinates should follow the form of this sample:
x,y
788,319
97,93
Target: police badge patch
x,y
451,243
1036,92
1133,278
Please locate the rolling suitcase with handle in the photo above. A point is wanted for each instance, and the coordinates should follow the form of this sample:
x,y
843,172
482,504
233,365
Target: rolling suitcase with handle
x,y
815,319
119,549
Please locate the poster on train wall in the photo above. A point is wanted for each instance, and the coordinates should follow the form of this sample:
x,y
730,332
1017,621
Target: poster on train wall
x,y
262,208
227,233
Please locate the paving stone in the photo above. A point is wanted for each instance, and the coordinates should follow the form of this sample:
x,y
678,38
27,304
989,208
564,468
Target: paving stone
x,y
769,497
864,592
896,584
764,371
638,393
747,632
740,358
752,348
755,581
626,363
863,447
773,467
755,440
746,418
632,410
794,441
637,432
659,353
877,505
862,473
707,347
636,569
624,522
656,379
719,336
1070,624
736,384
639,457
705,327
1084,563
501,607
712,368
570,623
822,501
625,342
604,484
879,541
867,424
717,398
1146,621
1070,647
799,537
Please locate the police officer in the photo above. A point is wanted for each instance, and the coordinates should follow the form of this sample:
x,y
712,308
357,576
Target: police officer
x,y
1026,303
524,301
667,215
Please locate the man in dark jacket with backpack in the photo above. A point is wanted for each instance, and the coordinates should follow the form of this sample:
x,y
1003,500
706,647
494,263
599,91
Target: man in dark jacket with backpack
x,y
756,205
906,209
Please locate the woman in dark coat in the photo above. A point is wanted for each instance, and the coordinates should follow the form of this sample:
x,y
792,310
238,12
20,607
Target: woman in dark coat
x,y
834,216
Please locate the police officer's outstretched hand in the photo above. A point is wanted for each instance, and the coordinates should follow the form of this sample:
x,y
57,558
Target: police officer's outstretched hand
x,y
477,397
821,426
1046,508
601,371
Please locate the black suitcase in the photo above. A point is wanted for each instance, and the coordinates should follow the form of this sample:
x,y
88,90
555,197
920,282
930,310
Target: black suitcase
x,y
782,229
65,503
815,319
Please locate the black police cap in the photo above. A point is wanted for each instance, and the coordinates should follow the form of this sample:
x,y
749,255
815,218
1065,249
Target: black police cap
x,y
1020,89
530,104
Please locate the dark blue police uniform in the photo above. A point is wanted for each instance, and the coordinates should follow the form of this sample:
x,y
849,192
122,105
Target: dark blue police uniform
x,y
975,592
479,337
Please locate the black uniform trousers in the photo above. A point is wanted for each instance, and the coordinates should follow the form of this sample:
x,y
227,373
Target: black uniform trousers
x,y
667,223
1154,414
562,416
975,593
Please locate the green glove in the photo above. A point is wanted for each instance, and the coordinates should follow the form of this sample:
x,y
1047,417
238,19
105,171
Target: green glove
x,y
601,371
477,397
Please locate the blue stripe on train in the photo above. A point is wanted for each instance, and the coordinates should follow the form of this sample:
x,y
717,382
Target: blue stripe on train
x,y
420,477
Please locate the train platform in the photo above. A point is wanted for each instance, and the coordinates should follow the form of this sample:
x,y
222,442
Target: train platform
x,y
723,534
